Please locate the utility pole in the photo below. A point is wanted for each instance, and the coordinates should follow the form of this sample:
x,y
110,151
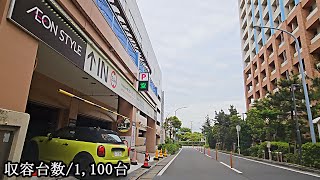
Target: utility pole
x,y
293,87
191,127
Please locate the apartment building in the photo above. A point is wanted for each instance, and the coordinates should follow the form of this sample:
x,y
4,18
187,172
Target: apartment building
x,y
269,55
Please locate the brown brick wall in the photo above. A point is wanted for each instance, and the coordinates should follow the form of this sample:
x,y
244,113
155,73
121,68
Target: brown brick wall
x,y
305,34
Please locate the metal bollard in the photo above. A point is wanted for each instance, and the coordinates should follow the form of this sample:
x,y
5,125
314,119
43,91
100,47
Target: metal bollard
x,y
277,154
264,154
231,164
216,154
270,156
280,153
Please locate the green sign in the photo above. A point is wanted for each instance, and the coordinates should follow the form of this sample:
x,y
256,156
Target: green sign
x,y
143,86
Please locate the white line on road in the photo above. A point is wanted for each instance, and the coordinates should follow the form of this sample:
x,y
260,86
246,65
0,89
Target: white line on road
x,y
281,167
208,156
231,168
166,167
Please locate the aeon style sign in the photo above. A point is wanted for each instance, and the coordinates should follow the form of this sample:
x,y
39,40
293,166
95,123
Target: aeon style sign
x,y
42,20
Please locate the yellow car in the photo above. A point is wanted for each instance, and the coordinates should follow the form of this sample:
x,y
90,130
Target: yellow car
x,y
83,145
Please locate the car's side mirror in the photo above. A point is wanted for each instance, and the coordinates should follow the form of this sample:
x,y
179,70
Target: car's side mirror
x,y
49,135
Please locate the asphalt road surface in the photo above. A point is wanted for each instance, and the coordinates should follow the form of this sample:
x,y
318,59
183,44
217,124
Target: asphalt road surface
x,y
194,165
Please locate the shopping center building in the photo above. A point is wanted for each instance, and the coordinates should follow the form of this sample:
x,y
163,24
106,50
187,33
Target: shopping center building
x,y
75,63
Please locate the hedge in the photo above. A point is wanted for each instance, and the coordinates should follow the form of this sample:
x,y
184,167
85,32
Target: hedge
x,y
311,155
257,150
171,148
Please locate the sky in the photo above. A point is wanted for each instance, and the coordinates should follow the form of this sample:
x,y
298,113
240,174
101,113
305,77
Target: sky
x,y
197,44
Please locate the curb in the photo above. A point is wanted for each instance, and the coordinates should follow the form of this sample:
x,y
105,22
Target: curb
x,y
293,166
151,167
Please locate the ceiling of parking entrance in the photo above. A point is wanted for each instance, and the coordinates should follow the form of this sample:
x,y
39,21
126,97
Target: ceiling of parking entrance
x,y
55,66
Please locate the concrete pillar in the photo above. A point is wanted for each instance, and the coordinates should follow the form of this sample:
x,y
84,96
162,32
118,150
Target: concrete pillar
x,y
18,53
126,109
73,112
151,136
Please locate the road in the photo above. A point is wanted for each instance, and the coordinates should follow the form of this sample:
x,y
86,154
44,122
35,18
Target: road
x,y
192,164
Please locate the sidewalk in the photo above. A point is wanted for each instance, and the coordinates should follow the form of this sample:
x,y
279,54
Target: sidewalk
x,y
150,174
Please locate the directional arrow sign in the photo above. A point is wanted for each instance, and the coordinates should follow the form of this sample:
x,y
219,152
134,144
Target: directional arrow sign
x,y
143,86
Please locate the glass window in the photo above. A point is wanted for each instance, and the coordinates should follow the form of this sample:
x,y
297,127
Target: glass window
x,y
65,133
97,135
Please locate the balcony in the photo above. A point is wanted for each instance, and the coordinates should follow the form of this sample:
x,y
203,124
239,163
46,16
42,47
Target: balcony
x,y
313,40
300,76
246,44
296,53
275,90
284,63
250,90
273,72
291,9
271,54
263,63
256,13
265,12
312,13
281,44
276,13
264,79
247,55
295,30
243,10
257,84
249,76
243,23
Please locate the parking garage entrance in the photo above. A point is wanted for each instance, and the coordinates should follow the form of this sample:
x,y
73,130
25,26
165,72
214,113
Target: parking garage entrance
x,y
87,121
43,120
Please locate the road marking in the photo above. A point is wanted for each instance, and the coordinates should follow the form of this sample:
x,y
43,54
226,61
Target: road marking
x,y
231,168
281,167
166,167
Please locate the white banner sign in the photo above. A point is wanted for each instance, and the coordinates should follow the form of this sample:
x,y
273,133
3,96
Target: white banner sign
x,y
101,70
133,135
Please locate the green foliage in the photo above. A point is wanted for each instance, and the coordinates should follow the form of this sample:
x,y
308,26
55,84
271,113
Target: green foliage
x,y
291,158
171,124
171,148
168,141
185,130
257,150
160,146
311,155
188,136
272,118
253,151
222,130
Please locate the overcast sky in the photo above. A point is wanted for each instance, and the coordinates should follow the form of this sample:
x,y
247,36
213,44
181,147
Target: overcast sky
x,y
197,44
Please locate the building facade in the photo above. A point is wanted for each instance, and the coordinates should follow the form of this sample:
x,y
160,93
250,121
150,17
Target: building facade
x,y
269,55
55,50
